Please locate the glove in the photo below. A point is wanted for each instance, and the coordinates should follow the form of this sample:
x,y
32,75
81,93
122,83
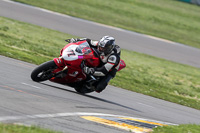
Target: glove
x,y
74,40
88,70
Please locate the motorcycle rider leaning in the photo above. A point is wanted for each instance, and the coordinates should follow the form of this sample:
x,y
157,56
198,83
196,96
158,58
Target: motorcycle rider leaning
x,y
109,54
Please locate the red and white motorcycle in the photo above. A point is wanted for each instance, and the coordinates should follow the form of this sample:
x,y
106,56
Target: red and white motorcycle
x,y
67,69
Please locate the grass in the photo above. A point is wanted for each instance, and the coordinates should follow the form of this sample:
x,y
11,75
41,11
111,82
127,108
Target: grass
x,y
11,128
169,19
144,74
160,78
190,128
30,43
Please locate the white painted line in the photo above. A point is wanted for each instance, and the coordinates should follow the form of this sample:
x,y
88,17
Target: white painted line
x,y
7,118
160,39
31,85
22,124
145,105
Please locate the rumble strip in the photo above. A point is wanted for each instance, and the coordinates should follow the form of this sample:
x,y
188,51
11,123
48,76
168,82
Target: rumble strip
x,y
137,125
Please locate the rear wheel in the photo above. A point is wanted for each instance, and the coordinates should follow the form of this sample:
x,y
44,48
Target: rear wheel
x,y
44,71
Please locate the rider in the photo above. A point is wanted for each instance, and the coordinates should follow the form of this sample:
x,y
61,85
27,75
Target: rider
x,y
109,54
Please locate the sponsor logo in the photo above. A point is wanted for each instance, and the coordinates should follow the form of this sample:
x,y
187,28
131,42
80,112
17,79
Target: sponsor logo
x,y
58,61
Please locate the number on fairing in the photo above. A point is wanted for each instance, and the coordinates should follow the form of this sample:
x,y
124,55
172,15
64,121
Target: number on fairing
x,y
71,54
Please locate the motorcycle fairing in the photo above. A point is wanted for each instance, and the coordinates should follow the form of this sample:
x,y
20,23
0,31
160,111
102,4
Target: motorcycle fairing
x,y
72,56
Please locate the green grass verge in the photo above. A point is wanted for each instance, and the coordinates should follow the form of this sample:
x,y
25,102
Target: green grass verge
x,y
190,128
30,43
169,19
10,128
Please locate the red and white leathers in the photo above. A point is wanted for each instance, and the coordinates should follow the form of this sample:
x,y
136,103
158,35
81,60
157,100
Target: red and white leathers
x,y
108,67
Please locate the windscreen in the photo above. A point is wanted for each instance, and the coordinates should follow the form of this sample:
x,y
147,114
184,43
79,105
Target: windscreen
x,y
84,49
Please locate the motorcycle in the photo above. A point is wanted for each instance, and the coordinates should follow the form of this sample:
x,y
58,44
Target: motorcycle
x,y
67,69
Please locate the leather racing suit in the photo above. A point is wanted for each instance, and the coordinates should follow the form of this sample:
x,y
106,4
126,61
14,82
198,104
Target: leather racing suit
x,y
109,65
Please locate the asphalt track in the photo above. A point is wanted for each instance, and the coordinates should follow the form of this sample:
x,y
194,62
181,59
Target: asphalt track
x,y
55,106
60,108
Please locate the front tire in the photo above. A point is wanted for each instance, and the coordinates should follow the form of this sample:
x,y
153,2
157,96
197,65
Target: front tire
x,y
43,72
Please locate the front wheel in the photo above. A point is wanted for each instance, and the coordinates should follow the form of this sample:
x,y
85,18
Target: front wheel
x,y
44,71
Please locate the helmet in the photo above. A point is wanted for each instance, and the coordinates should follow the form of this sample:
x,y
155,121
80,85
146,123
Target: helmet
x,y
106,45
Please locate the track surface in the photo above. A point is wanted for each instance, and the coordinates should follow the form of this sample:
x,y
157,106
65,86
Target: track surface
x,y
83,28
23,101
20,96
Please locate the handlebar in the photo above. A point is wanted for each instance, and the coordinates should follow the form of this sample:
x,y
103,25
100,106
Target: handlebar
x,y
91,76
68,40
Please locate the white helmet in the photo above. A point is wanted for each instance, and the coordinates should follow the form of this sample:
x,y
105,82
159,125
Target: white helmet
x,y
106,45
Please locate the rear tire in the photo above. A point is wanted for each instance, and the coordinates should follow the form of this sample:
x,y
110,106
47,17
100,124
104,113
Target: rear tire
x,y
83,90
43,71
